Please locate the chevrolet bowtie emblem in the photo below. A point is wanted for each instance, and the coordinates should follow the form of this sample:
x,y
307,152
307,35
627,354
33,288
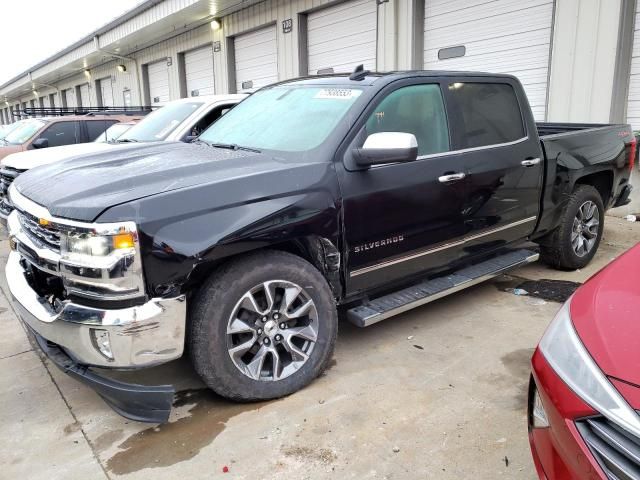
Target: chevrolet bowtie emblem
x,y
43,222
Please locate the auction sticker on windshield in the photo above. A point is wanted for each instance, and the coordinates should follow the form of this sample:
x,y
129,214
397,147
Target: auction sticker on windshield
x,y
338,93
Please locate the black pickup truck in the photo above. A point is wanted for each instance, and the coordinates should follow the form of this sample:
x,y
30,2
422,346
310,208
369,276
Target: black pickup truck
x,y
366,194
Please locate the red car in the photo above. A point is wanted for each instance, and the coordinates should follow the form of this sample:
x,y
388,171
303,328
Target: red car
x,y
585,387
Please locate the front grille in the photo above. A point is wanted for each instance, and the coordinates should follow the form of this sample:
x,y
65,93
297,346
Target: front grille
x,y
44,237
7,176
617,451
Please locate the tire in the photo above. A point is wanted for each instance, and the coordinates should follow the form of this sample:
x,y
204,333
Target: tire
x,y
244,283
559,250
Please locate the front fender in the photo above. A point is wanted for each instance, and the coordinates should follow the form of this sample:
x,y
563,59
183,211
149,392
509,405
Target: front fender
x,y
176,246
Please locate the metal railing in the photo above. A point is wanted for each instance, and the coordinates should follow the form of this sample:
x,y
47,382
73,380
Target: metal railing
x,y
61,111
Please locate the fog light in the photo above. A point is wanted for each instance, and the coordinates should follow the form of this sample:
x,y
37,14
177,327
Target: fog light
x,y
539,415
102,342
13,244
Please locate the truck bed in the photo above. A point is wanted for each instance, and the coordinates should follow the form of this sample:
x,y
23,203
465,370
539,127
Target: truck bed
x,y
554,128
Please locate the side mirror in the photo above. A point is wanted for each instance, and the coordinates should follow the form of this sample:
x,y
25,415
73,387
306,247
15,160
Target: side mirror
x,y
40,143
190,138
387,147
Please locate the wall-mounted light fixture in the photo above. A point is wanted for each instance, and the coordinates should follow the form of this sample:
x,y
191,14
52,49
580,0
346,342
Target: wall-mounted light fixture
x,y
122,68
216,24
87,73
169,61
35,93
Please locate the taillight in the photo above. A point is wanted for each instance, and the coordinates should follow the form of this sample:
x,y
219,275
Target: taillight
x,y
632,152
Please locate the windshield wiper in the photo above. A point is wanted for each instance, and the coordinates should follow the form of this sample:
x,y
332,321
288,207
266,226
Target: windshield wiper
x,y
232,146
126,140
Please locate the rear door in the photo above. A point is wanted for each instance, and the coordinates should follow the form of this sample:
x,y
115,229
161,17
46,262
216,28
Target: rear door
x,y
400,218
503,161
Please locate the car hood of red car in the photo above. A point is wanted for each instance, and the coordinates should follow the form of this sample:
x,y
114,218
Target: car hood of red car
x,y
606,315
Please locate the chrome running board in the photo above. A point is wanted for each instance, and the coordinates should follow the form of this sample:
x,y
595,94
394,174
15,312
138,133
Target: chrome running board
x,y
408,298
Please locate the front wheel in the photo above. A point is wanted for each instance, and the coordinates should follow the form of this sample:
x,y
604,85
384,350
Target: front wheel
x,y
575,241
262,327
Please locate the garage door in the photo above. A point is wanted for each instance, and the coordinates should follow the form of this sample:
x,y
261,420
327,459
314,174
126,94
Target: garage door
x,y
198,69
256,55
106,92
341,37
71,98
499,36
633,100
85,101
158,76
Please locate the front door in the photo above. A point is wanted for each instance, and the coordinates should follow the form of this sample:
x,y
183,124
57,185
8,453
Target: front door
x,y
401,219
503,163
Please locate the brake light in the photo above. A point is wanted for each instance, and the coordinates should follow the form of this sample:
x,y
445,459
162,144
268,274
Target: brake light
x,y
633,145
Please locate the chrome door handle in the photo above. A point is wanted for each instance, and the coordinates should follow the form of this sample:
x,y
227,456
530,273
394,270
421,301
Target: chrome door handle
x,y
530,162
452,177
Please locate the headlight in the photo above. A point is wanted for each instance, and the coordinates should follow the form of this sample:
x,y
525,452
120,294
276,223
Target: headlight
x,y
566,354
104,264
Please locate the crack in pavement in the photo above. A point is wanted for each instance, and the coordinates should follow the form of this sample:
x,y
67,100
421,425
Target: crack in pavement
x,y
16,354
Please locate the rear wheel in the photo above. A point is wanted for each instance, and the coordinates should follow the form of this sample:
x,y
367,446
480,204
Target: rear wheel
x,y
575,242
263,327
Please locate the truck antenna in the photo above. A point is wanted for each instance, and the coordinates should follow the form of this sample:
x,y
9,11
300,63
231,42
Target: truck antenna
x,y
359,73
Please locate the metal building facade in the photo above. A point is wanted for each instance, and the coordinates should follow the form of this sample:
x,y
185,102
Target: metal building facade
x,y
564,51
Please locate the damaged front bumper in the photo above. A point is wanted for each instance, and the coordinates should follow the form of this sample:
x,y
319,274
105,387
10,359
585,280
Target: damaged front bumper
x,y
77,337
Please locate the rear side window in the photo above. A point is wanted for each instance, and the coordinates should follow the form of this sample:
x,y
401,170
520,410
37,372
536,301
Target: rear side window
x,y
96,127
490,113
416,109
61,133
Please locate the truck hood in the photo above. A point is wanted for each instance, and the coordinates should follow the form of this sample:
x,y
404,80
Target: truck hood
x,y
34,158
83,187
605,312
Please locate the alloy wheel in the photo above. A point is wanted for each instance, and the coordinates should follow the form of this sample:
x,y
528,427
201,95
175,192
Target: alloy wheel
x,y
585,228
272,330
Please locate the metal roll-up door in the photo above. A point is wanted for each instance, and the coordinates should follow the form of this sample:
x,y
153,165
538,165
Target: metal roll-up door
x,y
85,101
158,76
70,95
198,69
256,57
499,36
341,37
633,100
106,92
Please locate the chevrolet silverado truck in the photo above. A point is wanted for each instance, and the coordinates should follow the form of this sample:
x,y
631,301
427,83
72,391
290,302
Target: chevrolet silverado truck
x,y
366,194
179,120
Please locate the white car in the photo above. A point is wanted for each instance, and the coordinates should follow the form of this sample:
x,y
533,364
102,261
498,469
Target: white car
x,y
180,120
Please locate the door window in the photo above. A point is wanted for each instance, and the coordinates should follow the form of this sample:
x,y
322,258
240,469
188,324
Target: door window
x,y
210,117
416,109
61,133
96,127
490,113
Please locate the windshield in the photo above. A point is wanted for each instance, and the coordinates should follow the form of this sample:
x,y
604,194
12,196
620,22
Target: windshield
x,y
285,118
5,129
24,131
160,123
112,133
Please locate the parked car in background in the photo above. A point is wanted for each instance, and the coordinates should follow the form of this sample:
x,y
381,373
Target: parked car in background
x,y
180,120
371,193
46,132
584,394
